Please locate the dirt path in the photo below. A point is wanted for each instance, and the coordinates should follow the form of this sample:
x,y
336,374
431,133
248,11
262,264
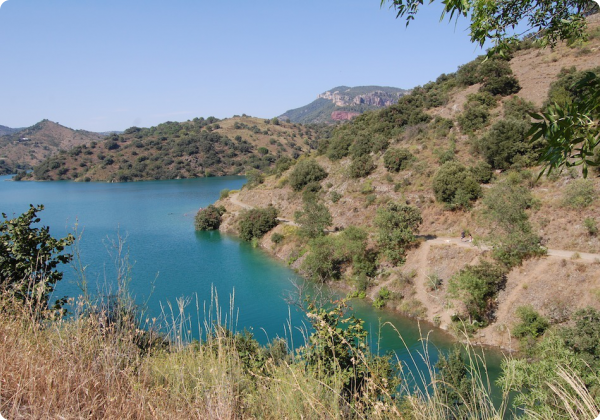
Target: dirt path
x,y
556,253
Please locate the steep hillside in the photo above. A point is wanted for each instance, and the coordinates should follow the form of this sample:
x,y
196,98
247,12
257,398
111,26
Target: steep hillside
x,y
30,146
344,103
201,147
457,151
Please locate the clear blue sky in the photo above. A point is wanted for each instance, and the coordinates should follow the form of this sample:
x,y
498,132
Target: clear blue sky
x,y
109,64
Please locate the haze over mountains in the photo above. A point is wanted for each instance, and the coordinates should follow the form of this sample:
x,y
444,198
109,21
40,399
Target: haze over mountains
x,y
344,103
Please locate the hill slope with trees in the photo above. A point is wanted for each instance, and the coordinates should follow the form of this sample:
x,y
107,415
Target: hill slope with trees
x,y
30,146
172,150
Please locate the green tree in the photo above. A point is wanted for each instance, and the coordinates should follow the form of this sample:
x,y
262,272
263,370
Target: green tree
x,y
306,171
455,185
397,224
254,223
29,258
313,219
209,218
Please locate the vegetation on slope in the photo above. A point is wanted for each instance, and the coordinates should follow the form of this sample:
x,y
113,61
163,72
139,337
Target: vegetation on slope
x,y
25,148
201,147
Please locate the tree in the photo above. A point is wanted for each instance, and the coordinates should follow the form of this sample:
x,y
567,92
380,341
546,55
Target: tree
x,y
305,172
29,258
209,218
455,185
254,223
397,225
313,218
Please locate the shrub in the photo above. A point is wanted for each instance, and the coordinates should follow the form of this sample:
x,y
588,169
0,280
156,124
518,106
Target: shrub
x,y
454,185
361,166
591,226
579,194
224,194
320,263
395,160
306,171
335,196
313,219
507,144
254,177
485,99
482,172
518,108
29,258
397,224
209,218
254,223
532,323
513,237
503,85
468,74
277,238
283,164
477,286
473,118
383,296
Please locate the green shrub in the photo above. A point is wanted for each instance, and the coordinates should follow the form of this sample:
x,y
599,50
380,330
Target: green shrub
x,y
474,117
209,218
566,89
277,238
484,99
335,196
313,219
454,185
320,263
254,177
283,164
507,144
482,172
468,74
398,159
503,85
224,194
397,224
583,338
361,166
579,193
518,109
532,323
254,223
591,226
304,172
477,286
383,296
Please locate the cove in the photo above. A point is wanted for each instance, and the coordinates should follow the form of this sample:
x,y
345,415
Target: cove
x,y
170,260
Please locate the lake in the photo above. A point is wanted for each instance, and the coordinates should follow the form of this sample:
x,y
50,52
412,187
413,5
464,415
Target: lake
x,y
170,260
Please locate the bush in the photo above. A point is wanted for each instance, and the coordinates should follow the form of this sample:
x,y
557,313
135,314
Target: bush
x,y
254,178
320,263
255,223
477,286
518,109
313,219
503,85
473,118
209,218
277,238
224,194
397,224
507,144
482,172
532,323
304,172
361,166
579,194
29,258
454,185
335,196
591,226
395,160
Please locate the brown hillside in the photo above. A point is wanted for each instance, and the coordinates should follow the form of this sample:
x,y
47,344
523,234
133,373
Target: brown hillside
x,y
31,146
549,284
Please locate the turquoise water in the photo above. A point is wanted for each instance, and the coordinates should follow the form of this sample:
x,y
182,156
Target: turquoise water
x,y
170,260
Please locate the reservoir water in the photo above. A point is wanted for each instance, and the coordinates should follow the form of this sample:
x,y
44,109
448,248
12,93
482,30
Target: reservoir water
x,y
170,260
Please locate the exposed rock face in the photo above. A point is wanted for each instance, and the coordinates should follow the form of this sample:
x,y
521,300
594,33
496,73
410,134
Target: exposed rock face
x,y
377,98
343,115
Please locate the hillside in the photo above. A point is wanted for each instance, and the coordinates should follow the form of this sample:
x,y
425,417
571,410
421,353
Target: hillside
x,y
201,147
7,130
344,103
456,150
30,146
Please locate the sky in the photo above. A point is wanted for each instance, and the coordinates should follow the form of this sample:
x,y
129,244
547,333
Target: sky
x,y
104,65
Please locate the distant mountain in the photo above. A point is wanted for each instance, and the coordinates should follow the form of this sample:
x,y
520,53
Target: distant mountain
x,y
4,130
173,150
30,146
344,103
